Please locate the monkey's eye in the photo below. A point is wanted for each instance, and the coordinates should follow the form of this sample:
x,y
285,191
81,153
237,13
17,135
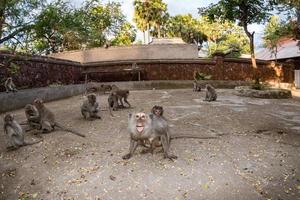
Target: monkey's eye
x,y
143,116
137,116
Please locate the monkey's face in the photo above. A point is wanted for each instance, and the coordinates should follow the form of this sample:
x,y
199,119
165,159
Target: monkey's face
x,y
38,103
140,119
8,118
158,111
92,98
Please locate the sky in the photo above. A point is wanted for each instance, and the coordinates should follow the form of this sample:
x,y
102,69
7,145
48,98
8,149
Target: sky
x,y
179,7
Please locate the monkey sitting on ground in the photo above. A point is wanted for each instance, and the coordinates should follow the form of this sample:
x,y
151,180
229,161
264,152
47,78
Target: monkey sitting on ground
x,y
197,87
211,94
90,107
15,133
32,116
143,127
47,119
10,86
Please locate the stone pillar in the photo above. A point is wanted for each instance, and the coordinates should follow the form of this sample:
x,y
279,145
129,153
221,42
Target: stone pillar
x,y
219,58
289,71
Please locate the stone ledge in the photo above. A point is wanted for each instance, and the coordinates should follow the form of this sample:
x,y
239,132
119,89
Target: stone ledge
x,y
270,93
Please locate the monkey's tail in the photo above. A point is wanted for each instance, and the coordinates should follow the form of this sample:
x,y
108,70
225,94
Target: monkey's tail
x,y
69,130
192,136
31,143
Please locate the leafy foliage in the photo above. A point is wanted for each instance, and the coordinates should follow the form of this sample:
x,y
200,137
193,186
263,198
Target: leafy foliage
x,y
186,27
150,14
224,36
245,12
17,18
201,76
58,26
274,31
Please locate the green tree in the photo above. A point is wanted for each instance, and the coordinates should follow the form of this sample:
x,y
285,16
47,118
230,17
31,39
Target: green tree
x,y
101,22
140,18
186,27
150,14
293,8
224,36
245,12
17,17
274,31
51,26
126,36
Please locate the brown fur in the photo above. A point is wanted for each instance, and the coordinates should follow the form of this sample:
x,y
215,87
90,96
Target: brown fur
x,y
47,119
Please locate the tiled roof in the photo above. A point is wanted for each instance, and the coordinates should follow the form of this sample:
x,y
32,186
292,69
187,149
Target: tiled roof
x,y
288,49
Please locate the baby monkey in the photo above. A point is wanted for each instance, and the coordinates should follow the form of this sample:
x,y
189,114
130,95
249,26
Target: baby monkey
x,y
15,133
211,94
10,86
90,108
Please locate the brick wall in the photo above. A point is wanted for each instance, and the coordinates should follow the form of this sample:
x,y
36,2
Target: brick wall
x,y
39,71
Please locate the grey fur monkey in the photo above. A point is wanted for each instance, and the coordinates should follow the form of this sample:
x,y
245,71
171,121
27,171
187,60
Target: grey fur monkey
x,y
15,133
143,127
197,86
122,95
32,116
90,107
47,119
158,112
112,102
211,94
10,86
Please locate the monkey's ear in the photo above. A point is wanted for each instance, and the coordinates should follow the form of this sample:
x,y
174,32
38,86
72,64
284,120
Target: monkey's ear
x,y
151,116
129,115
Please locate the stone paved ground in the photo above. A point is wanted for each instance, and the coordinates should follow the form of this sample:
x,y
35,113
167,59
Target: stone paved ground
x,y
256,156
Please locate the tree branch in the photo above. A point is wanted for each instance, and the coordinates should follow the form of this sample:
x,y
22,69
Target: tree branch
x,y
14,33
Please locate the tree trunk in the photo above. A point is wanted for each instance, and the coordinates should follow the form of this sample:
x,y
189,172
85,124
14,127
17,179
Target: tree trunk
x,y
251,38
256,75
148,27
144,36
158,30
2,16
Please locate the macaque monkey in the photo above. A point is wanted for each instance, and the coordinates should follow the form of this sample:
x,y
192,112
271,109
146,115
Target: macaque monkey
x,y
122,95
112,102
10,86
47,119
211,94
148,127
32,116
15,133
158,112
197,87
90,108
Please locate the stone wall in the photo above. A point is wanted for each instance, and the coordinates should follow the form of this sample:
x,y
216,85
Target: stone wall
x,y
38,71
12,101
219,68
